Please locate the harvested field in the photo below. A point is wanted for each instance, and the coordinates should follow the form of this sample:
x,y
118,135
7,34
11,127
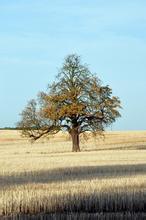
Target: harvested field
x,y
108,178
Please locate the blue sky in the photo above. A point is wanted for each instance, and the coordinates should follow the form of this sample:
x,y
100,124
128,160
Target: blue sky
x,y
36,35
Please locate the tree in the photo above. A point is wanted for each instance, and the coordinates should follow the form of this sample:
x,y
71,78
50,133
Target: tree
x,y
76,102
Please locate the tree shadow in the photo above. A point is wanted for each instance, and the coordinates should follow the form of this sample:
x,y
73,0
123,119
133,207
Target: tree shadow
x,y
130,147
73,174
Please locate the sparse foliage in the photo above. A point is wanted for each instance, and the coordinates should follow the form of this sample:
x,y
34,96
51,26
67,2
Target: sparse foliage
x,y
76,102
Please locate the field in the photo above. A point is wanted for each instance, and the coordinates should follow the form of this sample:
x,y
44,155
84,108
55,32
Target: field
x,y
107,178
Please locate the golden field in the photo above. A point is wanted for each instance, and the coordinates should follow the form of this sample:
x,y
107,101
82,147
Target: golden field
x,y
107,176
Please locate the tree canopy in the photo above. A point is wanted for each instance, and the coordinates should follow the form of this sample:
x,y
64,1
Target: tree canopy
x,y
75,102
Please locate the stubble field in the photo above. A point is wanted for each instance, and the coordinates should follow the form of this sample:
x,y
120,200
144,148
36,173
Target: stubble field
x,y
107,178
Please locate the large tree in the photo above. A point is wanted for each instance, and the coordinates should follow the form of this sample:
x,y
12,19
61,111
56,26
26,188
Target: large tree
x,y
76,102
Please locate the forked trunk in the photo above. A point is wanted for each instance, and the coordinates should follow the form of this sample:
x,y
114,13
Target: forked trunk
x,y
75,141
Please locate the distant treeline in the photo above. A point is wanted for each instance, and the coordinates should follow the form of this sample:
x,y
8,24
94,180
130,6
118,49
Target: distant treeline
x,y
10,128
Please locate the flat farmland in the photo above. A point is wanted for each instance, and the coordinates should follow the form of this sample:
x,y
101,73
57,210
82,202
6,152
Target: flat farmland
x,y
45,179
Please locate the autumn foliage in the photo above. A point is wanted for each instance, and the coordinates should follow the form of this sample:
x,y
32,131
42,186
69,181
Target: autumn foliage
x,y
76,102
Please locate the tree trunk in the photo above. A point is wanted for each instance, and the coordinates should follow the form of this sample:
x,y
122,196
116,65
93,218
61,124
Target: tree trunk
x,y
75,141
